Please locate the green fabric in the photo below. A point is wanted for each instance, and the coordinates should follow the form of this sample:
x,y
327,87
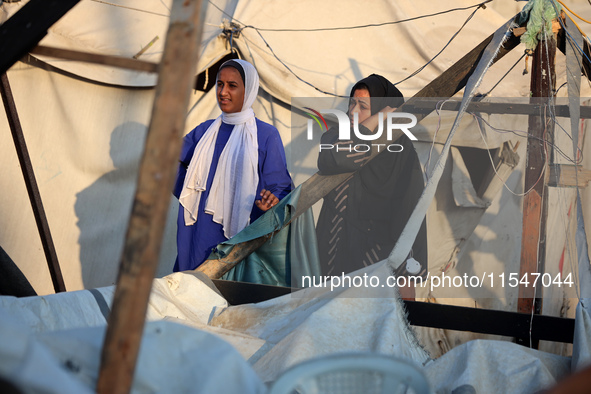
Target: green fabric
x,y
286,257
539,14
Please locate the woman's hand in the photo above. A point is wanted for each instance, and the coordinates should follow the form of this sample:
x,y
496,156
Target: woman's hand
x,y
267,201
372,122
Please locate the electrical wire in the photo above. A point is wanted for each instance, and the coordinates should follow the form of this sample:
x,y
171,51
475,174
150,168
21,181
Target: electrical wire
x,y
291,71
575,23
503,77
525,134
332,94
552,108
225,13
129,8
497,174
442,49
479,5
376,24
569,35
258,30
574,13
438,107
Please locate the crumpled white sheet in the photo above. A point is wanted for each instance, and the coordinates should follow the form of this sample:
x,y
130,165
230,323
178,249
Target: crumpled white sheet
x,y
317,321
486,366
582,352
173,358
173,296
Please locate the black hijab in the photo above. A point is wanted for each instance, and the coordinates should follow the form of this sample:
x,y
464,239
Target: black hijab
x,y
382,92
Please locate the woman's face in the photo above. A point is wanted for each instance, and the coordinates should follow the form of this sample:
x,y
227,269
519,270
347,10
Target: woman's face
x,y
230,90
360,103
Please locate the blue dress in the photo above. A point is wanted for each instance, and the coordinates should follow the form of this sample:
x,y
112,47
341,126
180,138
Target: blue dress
x,y
195,242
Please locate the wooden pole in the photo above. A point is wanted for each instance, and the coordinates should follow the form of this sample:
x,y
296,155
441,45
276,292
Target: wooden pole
x,y
147,222
31,184
317,186
535,202
106,60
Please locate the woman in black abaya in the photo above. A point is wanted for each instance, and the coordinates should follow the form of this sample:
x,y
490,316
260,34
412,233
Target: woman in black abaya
x,y
362,218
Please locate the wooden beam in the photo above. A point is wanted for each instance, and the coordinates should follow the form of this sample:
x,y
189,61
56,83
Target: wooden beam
x,y
150,206
21,32
568,175
107,60
535,202
446,317
427,105
240,293
491,322
237,254
31,184
317,186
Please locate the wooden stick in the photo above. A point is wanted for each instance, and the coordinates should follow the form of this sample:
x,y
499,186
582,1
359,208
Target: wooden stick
x,y
535,202
150,207
144,49
568,175
107,60
317,186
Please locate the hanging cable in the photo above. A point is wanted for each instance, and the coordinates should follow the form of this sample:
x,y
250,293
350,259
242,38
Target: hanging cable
x,y
438,108
503,77
376,24
479,5
497,174
290,70
570,36
574,13
225,13
525,134
129,8
258,30
442,49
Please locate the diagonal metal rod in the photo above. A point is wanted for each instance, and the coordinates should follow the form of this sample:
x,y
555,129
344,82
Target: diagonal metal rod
x,y
31,183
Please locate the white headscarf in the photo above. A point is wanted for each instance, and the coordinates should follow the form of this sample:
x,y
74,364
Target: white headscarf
x,y
234,186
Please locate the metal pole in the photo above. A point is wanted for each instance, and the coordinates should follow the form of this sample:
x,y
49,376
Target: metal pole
x,y
32,188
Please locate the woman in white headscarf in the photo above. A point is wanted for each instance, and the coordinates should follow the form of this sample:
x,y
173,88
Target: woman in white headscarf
x,y
232,169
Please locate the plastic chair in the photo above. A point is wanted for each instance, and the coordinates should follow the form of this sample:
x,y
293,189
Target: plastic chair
x,y
365,373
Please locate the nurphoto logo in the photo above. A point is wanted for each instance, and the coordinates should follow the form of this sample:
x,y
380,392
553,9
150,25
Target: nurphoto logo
x,y
346,124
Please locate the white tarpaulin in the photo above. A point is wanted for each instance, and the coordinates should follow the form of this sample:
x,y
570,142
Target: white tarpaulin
x,y
173,358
